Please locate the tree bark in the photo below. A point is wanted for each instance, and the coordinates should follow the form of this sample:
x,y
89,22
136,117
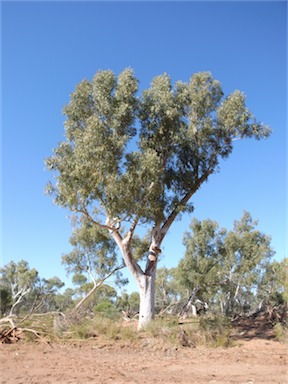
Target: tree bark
x,y
144,279
147,298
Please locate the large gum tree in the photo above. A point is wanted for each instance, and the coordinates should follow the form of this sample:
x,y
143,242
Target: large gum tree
x,y
131,159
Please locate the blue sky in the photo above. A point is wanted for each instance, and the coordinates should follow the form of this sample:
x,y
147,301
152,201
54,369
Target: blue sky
x,y
49,47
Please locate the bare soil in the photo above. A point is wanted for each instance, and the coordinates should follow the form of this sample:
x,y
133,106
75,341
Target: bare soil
x,y
255,358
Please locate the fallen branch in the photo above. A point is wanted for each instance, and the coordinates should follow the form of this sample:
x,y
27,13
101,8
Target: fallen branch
x,y
164,310
8,320
36,334
14,333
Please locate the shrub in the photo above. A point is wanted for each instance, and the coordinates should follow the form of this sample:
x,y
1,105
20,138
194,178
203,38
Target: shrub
x,y
216,331
281,333
107,310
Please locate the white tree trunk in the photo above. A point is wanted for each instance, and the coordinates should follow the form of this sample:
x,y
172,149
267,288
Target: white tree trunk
x,y
145,279
147,299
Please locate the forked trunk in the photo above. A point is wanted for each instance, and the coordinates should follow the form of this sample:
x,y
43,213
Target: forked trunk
x,y
147,299
145,279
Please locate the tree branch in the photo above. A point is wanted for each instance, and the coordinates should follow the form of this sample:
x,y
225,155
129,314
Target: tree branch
x,y
85,212
130,233
96,285
167,224
20,294
125,248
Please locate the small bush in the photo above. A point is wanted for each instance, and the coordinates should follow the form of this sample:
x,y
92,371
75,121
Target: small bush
x,y
219,323
158,326
128,333
107,310
216,331
83,330
169,331
281,333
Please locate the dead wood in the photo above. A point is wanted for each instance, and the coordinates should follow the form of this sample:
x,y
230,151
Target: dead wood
x,y
14,333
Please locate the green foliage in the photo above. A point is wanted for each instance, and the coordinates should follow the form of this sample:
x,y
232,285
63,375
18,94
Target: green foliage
x,y
274,282
200,268
18,275
216,330
107,310
92,260
134,302
140,246
110,329
225,267
281,333
168,289
22,290
5,299
248,252
183,132
160,326
219,322
99,123
103,293
129,304
19,280
94,252
64,301
45,294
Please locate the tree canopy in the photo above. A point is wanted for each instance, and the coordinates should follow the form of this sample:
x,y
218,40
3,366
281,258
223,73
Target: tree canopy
x,y
180,132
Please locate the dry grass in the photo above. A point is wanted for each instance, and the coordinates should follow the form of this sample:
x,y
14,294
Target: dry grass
x,y
162,332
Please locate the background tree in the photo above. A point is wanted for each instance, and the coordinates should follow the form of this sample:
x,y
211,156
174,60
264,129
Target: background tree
x,y
5,299
128,161
93,259
273,284
65,300
44,295
169,290
24,291
200,269
129,304
247,252
17,280
105,302
225,267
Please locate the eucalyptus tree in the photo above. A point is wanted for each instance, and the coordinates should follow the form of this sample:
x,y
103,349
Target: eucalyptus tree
x,y
227,267
130,160
19,280
44,295
200,270
248,251
22,289
273,285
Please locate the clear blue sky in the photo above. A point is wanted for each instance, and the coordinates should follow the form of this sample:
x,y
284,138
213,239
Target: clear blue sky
x,y
49,47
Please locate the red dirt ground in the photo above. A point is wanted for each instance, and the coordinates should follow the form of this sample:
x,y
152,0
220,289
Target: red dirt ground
x,y
254,359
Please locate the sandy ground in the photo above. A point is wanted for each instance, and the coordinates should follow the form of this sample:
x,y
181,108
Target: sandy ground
x,y
250,361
